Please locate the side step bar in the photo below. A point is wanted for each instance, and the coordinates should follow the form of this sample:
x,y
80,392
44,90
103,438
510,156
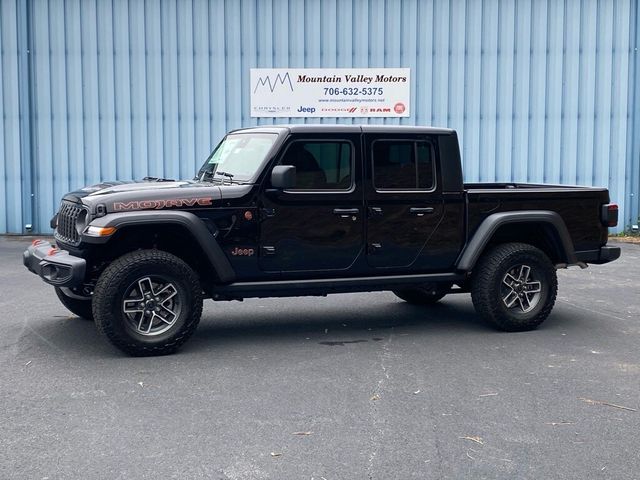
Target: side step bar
x,y
297,288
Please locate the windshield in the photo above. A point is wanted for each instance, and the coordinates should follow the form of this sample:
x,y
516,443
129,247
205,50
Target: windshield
x,y
238,157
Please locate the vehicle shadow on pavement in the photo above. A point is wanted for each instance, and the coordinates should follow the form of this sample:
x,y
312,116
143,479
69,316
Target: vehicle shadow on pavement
x,y
253,323
331,324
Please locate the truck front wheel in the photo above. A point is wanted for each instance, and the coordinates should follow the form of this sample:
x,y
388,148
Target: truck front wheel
x,y
147,302
514,287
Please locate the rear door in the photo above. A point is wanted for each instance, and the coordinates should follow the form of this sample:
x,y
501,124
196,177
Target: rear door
x,y
403,199
319,224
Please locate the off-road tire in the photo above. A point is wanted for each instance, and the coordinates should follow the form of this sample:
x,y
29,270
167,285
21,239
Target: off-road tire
x,y
487,282
117,278
81,308
419,296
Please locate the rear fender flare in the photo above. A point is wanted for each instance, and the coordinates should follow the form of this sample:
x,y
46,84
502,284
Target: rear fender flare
x,y
490,225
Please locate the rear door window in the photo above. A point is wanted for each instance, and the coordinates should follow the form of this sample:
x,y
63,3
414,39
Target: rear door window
x,y
402,165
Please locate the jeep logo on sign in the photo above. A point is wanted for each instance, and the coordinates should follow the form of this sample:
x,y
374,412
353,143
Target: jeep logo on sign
x,y
302,109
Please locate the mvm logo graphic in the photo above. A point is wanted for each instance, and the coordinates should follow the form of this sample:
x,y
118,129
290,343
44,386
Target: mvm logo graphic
x,y
280,80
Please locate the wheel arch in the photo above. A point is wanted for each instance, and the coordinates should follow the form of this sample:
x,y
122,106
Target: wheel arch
x,y
181,233
540,228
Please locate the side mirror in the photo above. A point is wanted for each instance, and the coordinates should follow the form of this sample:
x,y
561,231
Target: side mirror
x,y
283,177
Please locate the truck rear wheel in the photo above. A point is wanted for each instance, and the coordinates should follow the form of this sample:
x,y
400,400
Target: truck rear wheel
x,y
514,287
82,308
147,302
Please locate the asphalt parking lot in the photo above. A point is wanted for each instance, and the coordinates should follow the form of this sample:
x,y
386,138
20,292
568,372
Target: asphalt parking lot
x,y
356,386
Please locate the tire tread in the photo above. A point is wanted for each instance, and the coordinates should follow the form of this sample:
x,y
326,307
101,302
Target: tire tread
x,y
107,287
484,274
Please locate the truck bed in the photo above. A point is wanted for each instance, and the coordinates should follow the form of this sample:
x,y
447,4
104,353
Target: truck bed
x,y
578,206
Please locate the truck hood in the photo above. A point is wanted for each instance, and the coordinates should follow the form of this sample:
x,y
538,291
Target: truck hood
x,y
106,188
119,196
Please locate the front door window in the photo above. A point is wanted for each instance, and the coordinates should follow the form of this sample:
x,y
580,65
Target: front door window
x,y
320,165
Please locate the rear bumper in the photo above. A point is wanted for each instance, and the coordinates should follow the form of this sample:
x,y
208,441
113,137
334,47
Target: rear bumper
x,y
602,255
56,267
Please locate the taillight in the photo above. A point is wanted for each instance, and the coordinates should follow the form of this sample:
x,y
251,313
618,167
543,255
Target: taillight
x,y
609,215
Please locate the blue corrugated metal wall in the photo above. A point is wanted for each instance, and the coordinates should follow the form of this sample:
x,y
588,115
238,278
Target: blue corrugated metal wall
x,y
539,90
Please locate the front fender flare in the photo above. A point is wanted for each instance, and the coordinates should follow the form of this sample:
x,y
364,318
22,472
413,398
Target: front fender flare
x,y
193,224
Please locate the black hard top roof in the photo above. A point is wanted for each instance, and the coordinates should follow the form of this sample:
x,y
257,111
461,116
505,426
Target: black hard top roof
x,y
340,128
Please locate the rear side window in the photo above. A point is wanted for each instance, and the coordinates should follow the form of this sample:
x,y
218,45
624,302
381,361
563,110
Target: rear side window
x,y
402,165
320,165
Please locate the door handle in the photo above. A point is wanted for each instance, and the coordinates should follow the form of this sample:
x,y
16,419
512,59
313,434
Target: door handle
x,y
346,212
375,211
374,247
421,211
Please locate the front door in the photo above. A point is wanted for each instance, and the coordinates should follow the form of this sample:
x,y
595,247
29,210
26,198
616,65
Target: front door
x,y
319,224
404,202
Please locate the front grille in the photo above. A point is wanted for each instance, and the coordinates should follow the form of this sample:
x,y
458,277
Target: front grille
x,y
66,230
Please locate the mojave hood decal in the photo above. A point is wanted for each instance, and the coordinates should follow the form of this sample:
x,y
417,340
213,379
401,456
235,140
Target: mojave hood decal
x,y
163,203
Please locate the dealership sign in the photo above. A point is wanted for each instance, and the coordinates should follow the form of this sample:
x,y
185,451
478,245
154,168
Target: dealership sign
x,y
330,92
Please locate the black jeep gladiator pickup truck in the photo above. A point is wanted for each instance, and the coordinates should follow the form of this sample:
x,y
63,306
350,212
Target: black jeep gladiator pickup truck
x,y
296,210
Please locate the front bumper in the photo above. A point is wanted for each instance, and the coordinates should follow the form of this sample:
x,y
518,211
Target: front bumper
x,y
56,267
602,255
